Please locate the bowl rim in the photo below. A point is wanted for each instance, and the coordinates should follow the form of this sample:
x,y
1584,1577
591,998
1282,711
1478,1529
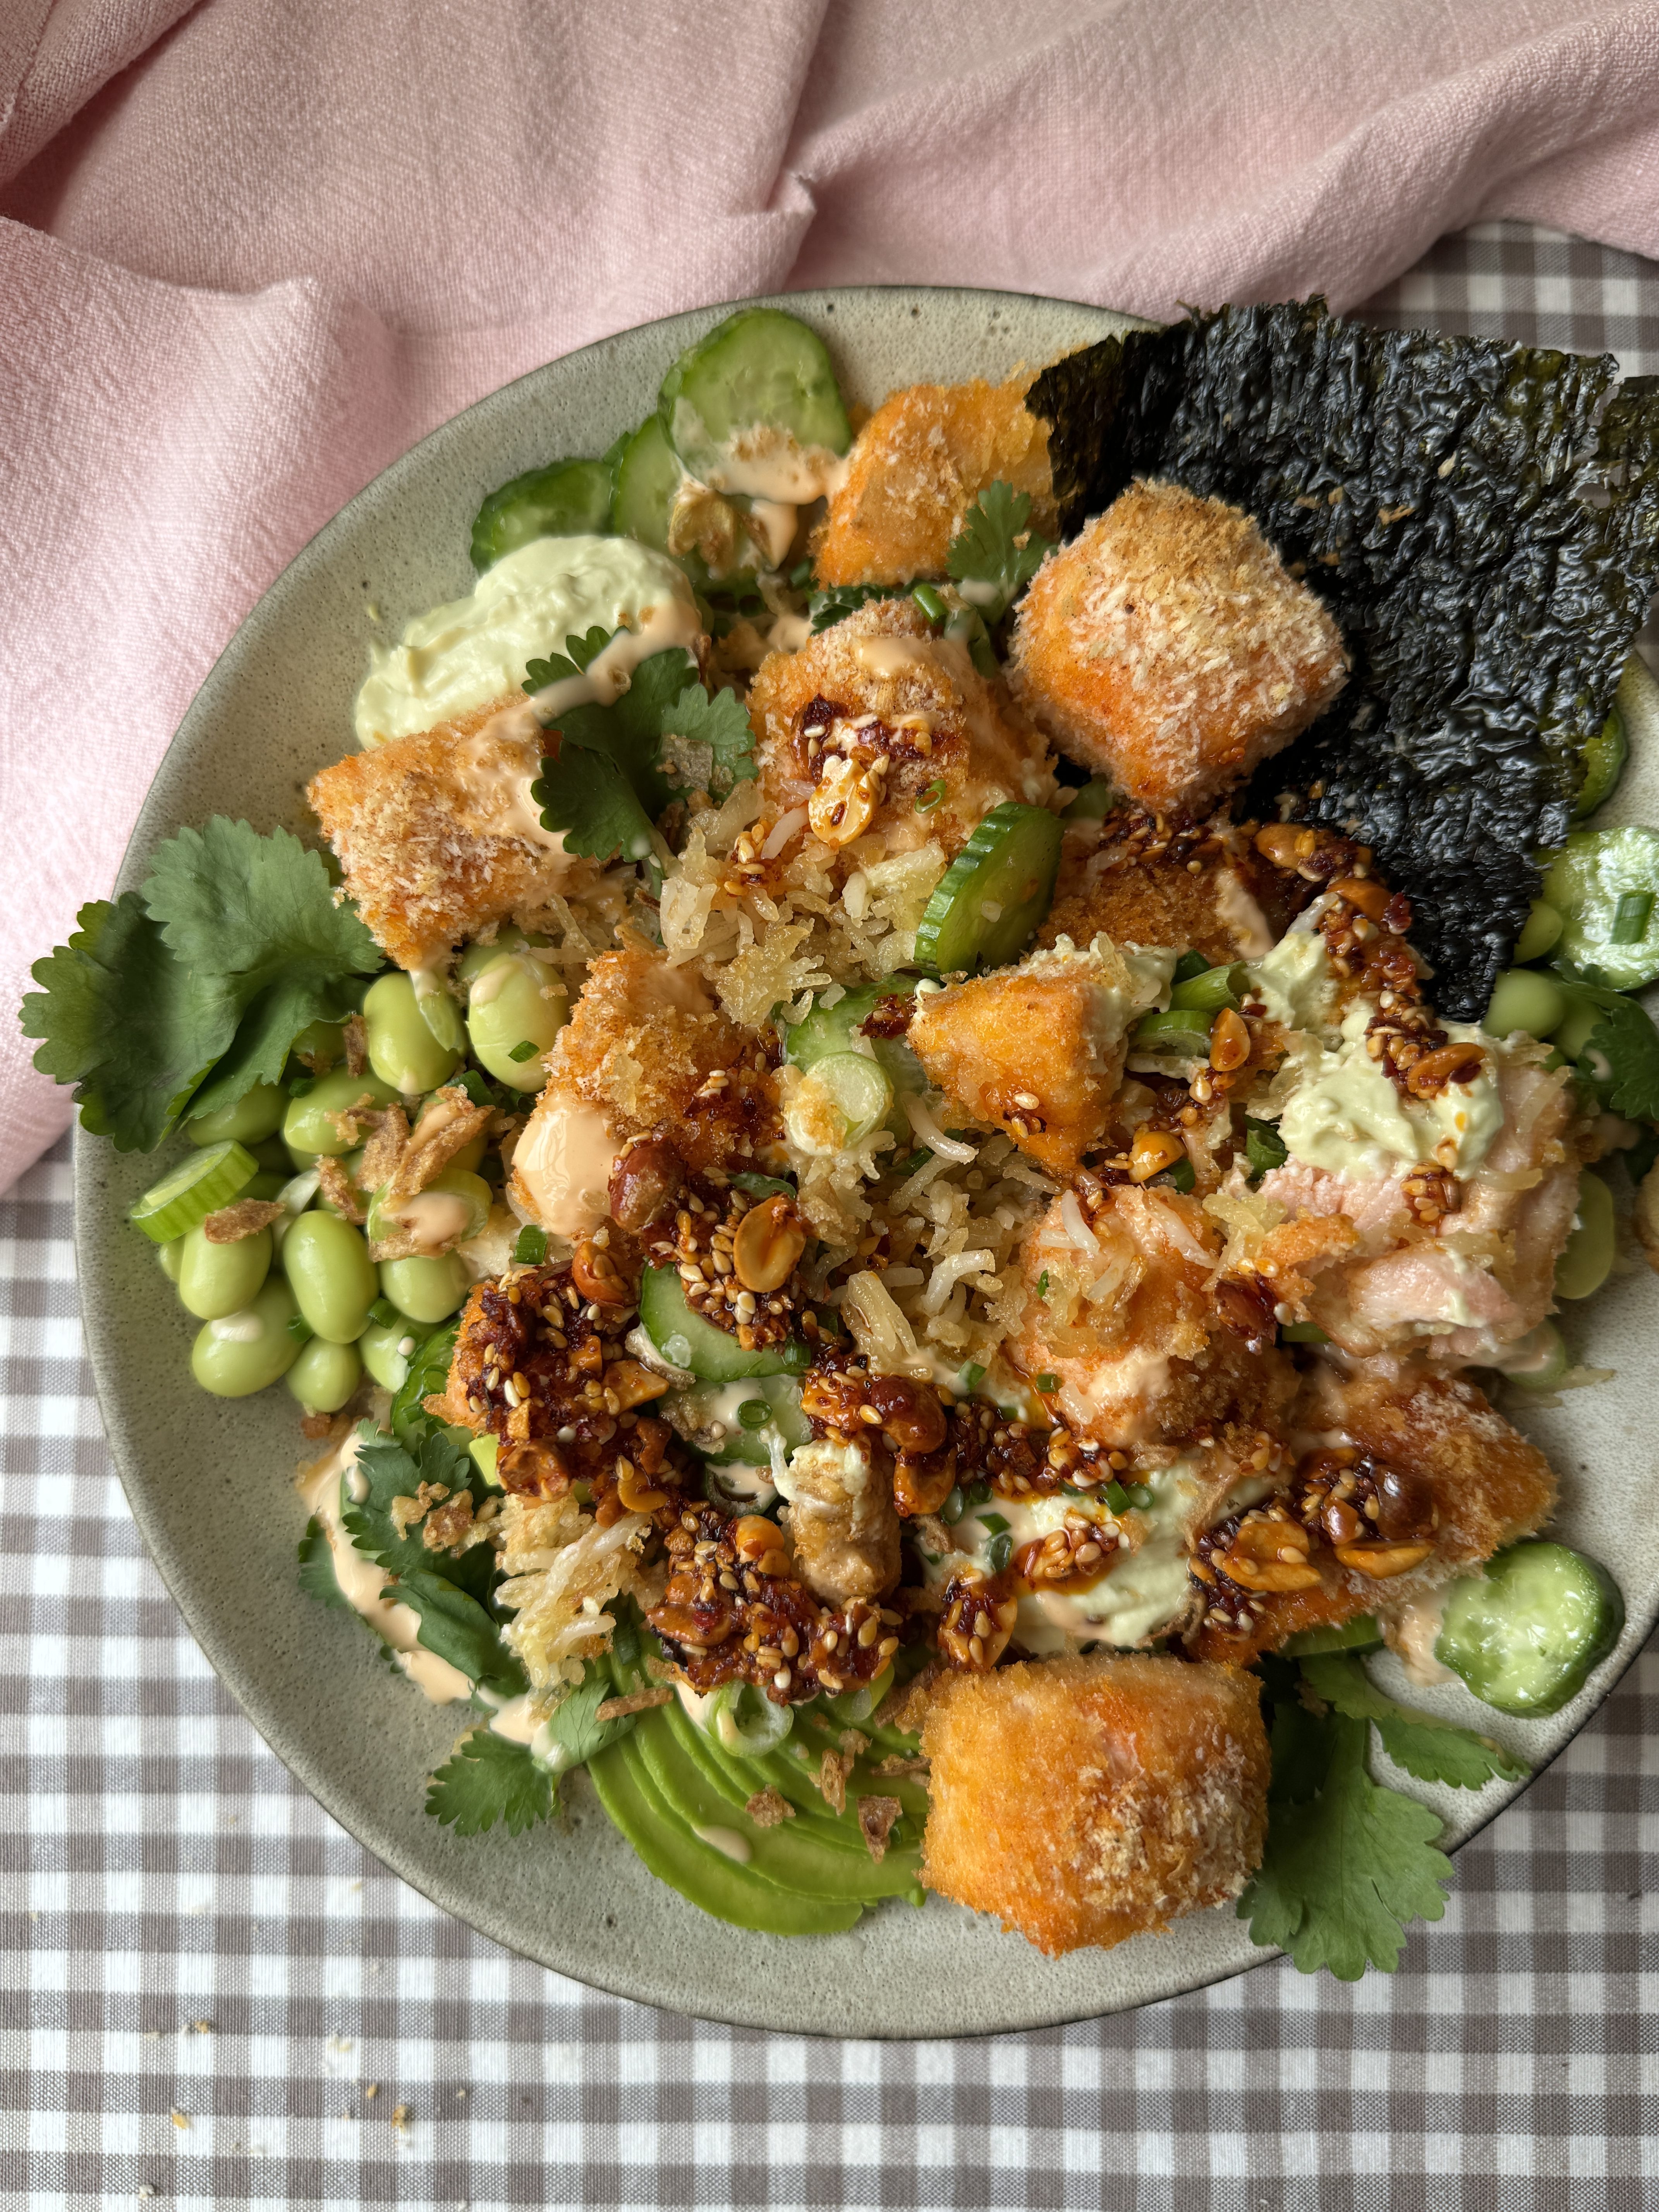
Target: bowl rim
x,y
173,1564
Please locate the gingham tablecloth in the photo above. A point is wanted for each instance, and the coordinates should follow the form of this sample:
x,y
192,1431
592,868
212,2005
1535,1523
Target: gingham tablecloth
x,y
212,1997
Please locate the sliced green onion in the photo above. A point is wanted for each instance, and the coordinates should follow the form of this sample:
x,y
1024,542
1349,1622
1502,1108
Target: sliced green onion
x,y
530,1248
754,1413
1184,1030
1631,917
744,1722
995,1521
1116,1497
931,798
930,603
1303,1332
1189,965
1046,1382
1000,1552
1206,994
197,1186
383,1312
522,1051
1180,1178
953,1508
972,1377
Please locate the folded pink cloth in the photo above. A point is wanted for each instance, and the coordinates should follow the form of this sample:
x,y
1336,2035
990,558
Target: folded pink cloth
x,y
253,250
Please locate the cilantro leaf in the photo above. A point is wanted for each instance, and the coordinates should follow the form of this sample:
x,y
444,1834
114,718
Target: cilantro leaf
x,y
615,769
131,1027
576,1731
488,1778
1627,1040
189,992
1432,1749
833,604
459,1628
394,1470
1345,1869
450,1593
579,654
317,1578
1264,1148
709,736
995,554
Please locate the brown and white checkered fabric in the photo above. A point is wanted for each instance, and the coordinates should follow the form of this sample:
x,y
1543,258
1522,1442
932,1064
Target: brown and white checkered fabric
x,y
214,1998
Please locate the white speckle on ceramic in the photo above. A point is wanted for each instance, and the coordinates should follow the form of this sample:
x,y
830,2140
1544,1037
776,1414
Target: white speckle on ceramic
x,y
211,1481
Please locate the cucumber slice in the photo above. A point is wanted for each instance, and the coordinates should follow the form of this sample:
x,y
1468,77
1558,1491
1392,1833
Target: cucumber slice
x,y
830,1029
842,1099
1590,884
1360,1634
195,1188
991,900
648,480
1526,1633
648,475
780,1396
1538,933
746,406
570,498
1604,759
687,1340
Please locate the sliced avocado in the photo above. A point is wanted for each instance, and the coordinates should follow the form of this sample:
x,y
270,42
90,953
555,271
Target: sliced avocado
x,y
791,1853
712,1881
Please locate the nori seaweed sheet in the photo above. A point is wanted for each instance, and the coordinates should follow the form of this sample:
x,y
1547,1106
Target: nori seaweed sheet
x,y
1483,521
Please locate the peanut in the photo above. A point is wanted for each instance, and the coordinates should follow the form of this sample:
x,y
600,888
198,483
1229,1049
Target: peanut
x,y
844,804
768,1243
1380,1562
1365,892
1230,1040
1152,1151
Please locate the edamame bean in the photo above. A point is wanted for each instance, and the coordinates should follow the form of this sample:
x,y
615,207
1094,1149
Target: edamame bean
x,y
172,1258
512,1002
1523,1000
257,1113
324,1374
453,1207
307,1130
320,1045
476,958
327,1263
1573,1034
242,1352
1587,1260
216,1279
385,1348
350,1162
427,1291
265,1185
402,1049
1543,926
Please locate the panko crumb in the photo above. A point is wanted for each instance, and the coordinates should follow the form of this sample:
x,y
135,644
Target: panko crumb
x,y
1169,649
437,836
917,466
1149,1800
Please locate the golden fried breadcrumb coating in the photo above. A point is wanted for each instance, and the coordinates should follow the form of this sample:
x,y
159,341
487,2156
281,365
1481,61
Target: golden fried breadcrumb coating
x,y
645,1049
1036,1049
916,467
437,834
1482,1483
1168,649
1085,1800
1120,1308
884,731
1203,890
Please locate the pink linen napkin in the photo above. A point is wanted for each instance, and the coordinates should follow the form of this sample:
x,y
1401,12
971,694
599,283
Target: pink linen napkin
x,y
251,250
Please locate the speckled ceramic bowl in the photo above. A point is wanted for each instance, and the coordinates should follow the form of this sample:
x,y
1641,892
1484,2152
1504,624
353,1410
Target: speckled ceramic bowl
x,y
211,1484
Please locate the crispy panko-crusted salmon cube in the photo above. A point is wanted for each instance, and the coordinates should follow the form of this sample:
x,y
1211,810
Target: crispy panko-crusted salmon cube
x,y
1037,1050
1167,649
1139,882
1453,1480
645,1049
1084,1800
917,466
437,834
1121,1310
883,733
